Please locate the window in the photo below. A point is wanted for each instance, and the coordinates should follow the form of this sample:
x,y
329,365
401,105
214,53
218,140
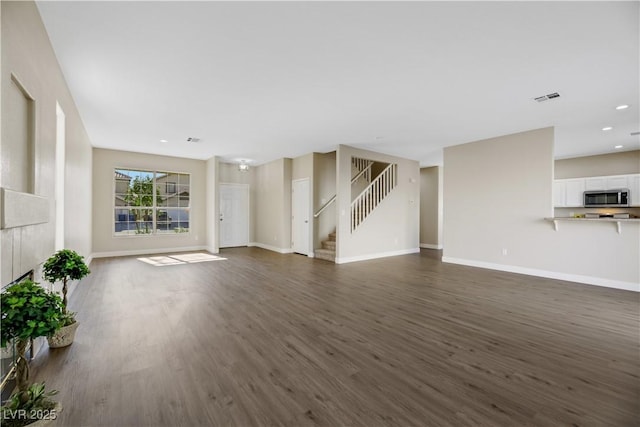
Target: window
x,y
147,202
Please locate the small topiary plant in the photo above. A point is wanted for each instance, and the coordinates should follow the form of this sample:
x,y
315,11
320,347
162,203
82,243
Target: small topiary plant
x,y
63,266
28,312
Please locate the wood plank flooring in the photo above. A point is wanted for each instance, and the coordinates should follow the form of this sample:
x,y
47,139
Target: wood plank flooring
x,y
264,339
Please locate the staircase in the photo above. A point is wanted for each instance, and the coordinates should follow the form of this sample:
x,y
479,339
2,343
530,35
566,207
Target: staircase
x,y
372,187
369,199
328,250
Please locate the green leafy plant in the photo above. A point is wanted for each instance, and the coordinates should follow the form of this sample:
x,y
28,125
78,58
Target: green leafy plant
x,y
140,195
63,266
28,312
38,406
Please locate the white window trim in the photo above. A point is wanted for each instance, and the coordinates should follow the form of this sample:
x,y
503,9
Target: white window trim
x,y
154,208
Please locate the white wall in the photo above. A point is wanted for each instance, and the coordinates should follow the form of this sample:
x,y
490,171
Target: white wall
x,y
303,168
431,207
104,241
496,194
394,227
28,56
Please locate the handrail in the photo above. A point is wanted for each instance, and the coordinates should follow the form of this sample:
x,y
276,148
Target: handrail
x,y
354,179
325,206
362,172
378,178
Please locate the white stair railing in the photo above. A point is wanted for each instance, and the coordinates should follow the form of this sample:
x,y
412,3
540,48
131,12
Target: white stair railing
x,y
364,168
371,196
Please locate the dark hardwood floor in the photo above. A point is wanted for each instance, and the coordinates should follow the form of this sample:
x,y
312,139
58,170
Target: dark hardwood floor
x,y
264,339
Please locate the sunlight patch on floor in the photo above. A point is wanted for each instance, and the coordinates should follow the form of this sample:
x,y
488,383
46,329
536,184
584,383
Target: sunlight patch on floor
x,y
180,259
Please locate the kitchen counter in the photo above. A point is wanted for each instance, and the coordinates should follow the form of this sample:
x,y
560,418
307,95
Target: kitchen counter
x,y
617,221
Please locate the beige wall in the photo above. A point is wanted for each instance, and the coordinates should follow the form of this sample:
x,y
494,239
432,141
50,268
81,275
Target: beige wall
x,y
212,209
271,202
394,227
27,56
496,194
228,173
627,162
431,207
324,188
302,167
105,243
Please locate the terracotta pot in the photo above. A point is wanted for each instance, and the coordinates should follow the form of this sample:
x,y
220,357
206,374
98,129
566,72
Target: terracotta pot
x,y
64,336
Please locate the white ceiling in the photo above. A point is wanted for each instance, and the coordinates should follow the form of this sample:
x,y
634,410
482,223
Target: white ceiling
x,y
262,80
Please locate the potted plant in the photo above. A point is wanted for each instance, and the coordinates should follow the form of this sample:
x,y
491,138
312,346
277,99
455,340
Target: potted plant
x,y
63,266
28,312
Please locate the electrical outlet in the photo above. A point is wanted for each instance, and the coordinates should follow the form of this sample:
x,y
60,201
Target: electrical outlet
x,y
505,252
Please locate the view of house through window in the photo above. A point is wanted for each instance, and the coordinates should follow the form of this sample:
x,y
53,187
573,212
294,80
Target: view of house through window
x,y
151,202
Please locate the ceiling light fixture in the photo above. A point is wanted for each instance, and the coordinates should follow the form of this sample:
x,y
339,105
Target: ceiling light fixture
x,y
163,140
243,167
617,147
606,128
622,107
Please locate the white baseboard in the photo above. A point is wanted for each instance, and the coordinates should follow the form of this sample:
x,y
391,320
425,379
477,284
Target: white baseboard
x,y
147,251
212,250
345,260
430,246
311,255
589,280
272,248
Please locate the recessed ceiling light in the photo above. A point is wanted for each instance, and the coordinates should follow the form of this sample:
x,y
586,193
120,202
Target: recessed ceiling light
x,y
622,107
163,140
607,128
617,147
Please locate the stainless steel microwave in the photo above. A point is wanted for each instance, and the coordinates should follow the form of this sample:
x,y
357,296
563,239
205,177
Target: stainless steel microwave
x,y
606,198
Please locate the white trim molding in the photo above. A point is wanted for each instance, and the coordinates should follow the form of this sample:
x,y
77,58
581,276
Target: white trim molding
x,y
589,280
345,260
22,209
271,248
150,251
430,246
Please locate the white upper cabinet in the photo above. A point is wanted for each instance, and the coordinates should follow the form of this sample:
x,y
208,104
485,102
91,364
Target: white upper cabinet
x,y
633,183
596,183
617,182
575,191
568,193
559,192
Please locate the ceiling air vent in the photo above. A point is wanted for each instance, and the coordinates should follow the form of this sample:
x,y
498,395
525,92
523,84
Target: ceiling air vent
x,y
547,97
193,139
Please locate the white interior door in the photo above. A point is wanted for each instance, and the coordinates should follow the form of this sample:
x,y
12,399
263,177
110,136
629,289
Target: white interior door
x,y
300,216
234,215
